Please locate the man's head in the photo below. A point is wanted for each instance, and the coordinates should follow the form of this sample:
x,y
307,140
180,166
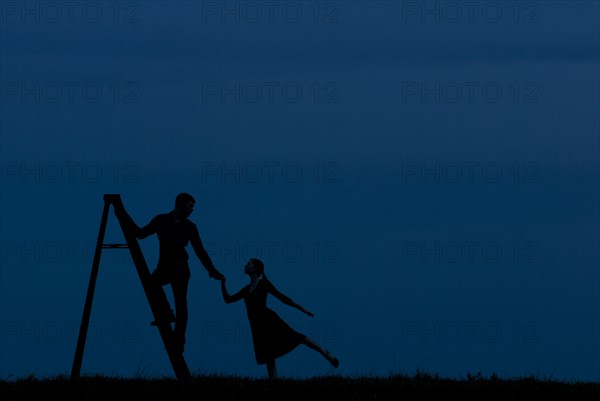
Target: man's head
x,y
184,203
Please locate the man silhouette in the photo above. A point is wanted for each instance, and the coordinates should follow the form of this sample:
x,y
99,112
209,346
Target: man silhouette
x,y
174,232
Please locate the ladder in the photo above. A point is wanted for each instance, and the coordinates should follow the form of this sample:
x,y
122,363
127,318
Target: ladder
x,y
155,294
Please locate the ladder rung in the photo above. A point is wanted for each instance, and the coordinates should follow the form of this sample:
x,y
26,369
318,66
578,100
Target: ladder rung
x,y
114,246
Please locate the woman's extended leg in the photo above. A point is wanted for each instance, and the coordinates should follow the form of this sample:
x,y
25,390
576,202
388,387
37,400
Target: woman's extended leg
x,y
311,344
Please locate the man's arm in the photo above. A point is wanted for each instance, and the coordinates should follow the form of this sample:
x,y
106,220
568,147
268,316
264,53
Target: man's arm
x,y
202,254
139,232
145,231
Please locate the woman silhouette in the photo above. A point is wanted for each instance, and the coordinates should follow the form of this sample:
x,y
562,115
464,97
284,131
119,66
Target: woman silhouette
x,y
271,336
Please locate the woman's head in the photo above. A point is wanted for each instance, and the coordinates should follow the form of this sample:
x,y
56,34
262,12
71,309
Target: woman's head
x,y
254,265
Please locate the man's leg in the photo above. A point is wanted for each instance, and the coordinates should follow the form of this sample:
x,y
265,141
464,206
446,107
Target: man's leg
x,y
179,285
160,278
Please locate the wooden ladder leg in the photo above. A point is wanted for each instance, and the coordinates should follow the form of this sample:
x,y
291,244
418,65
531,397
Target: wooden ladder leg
x,y
87,309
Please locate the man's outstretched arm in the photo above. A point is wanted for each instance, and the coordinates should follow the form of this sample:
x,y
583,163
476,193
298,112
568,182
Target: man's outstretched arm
x,y
202,254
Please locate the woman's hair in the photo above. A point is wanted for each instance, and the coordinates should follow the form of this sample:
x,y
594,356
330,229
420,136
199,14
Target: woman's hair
x,y
260,266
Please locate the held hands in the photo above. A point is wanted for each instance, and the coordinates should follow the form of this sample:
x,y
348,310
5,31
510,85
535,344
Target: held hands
x,y
217,276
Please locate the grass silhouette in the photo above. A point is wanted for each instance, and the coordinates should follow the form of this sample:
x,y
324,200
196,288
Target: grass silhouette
x,y
421,386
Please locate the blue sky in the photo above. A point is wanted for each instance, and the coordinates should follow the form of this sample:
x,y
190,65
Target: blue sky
x,y
422,176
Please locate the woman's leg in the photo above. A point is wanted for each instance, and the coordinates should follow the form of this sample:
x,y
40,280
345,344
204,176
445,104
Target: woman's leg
x,y
272,369
311,344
